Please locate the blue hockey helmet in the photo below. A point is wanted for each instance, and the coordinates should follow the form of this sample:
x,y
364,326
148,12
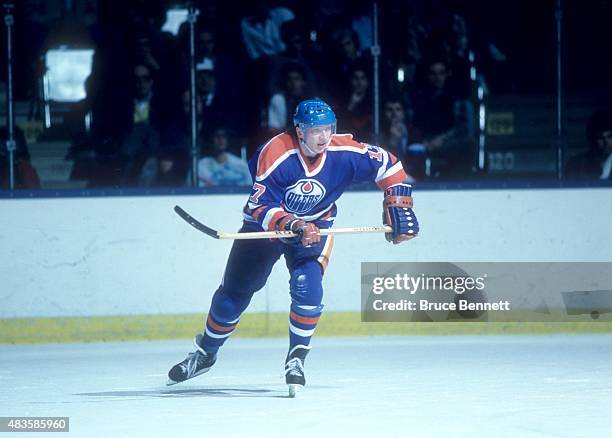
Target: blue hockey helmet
x,y
313,112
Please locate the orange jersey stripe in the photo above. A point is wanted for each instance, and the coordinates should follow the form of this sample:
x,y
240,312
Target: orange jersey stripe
x,y
346,140
396,178
257,212
302,319
274,221
218,327
274,152
286,219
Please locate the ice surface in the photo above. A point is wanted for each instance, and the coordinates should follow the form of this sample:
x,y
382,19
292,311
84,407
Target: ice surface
x,y
455,386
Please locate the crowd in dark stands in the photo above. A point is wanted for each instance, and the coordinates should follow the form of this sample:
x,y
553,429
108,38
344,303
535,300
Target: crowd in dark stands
x,y
254,63
253,67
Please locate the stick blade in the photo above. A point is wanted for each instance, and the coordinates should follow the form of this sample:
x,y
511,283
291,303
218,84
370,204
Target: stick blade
x,y
195,223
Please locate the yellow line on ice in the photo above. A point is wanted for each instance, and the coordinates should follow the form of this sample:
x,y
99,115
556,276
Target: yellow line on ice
x,y
255,325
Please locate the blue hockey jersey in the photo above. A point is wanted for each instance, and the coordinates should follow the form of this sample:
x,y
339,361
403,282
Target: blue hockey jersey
x,y
288,182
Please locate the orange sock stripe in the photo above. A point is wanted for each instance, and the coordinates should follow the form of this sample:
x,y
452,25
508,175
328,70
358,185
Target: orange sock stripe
x,y
302,319
218,327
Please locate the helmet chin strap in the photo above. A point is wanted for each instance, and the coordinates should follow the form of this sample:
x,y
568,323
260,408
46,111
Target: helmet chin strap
x,y
306,149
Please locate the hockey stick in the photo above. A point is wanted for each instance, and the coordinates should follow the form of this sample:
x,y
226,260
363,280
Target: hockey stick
x,y
271,234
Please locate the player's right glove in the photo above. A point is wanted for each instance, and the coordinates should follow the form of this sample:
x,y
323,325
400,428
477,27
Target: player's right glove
x,y
308,233
397,213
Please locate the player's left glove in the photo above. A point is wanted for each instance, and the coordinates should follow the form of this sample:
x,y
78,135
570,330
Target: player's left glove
x,y
397,213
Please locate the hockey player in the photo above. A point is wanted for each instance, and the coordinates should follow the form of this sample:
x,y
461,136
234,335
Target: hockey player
x,y
298,177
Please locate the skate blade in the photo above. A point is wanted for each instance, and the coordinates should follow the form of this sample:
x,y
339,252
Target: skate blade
x,y
171,382
293,389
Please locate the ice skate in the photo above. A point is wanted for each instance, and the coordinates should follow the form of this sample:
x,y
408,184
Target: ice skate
x,y
196,363
294,369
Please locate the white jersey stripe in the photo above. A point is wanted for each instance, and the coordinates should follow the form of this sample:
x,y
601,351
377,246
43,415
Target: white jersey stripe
x,y
383,168
347,148
391,171
268,217
316,169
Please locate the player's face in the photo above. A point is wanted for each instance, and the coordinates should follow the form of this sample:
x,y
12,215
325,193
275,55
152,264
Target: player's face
x,y
316,139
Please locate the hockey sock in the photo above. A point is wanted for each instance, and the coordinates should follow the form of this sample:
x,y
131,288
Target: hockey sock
x,y
217,331
302,323
223,317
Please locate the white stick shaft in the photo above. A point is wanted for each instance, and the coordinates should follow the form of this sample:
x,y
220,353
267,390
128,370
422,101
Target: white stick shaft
x,y
288,234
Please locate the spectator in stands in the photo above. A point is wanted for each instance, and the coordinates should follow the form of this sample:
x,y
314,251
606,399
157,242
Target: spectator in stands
x,y
217,109
411,53
132,40
346,45
155,49
395,126
596,163
172,162
261,37
261,31
223,168
110,91
355,108
25,175
226,71
360,12
343,58
206,46
300,50
142,140
446,123
281,106
449,38
398,134
402,39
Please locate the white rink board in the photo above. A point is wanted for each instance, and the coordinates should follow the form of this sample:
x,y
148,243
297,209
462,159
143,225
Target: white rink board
x,y
134,255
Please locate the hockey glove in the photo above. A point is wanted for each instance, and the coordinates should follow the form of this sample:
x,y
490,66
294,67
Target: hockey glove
x,y
397,213
308,233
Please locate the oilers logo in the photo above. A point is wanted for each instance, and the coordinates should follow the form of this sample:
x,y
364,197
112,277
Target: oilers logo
x,y
301,197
